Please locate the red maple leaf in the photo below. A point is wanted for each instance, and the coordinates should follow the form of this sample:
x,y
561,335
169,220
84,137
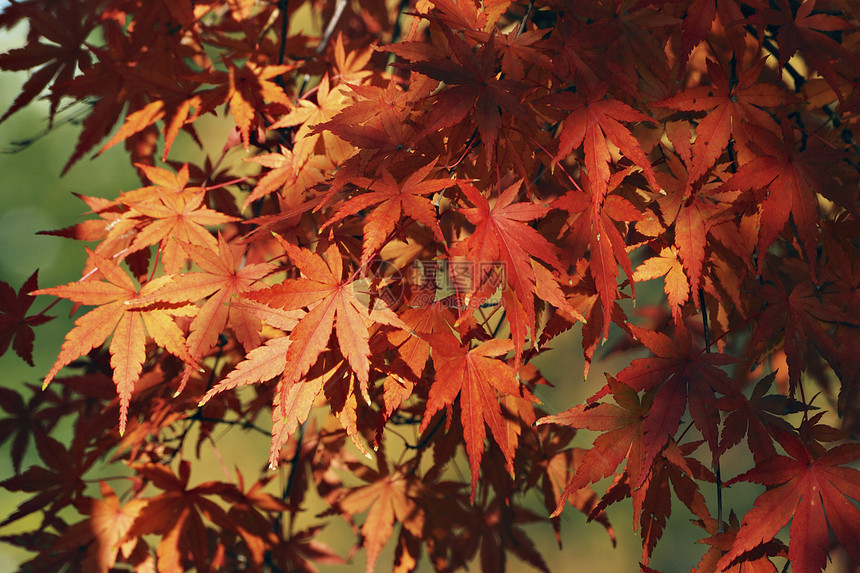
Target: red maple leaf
x,y
59,483
797,312
557,467
492,530
682,376
622,439
15,326
113,230
393,200
502,236
592,227
66,26
811,492
303,549
721,540
550,148
178,514
807,31
592,121
688,203
478,378
246,89
103,534
435,319
652,503
519,49
130,72
699,19
673,469
785,181
385,130
253,512
728,103
758,418
26,420
472,84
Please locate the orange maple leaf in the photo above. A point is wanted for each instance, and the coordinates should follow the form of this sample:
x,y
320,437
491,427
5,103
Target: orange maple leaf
x,y
116,313
667,265
390,496
218,283
246,89
330,100
112,230
168,210
104,532
292,171
293,399
327,295
392,200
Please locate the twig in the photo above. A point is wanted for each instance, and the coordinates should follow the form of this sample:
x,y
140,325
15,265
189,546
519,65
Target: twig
x,y
294,465
705,329
332,24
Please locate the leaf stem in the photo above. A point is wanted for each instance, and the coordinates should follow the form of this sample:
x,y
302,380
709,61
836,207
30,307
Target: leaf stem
x,y
49,307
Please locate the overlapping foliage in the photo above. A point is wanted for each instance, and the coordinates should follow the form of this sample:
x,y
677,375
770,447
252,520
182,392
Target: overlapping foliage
x,y
431,193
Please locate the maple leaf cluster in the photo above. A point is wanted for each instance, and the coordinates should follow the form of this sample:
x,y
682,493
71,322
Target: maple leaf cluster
x,y
405,212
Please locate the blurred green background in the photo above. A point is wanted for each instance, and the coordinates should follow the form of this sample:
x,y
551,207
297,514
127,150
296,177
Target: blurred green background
x,y
33,197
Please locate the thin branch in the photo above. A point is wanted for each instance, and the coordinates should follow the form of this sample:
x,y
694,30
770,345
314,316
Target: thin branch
x,y
332,24
522,27
717,471
426,439
282,48
241,423
291,478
